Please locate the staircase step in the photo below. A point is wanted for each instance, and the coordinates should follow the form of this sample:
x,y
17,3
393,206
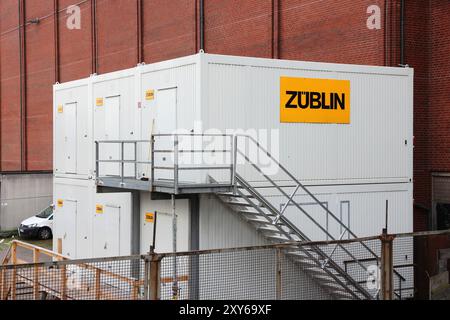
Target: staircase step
x,y
231,195
256,220
277,238
268,229
297,254
332,286
236,203
256,213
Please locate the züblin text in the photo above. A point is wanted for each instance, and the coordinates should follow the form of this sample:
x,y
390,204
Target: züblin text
x,y
315,100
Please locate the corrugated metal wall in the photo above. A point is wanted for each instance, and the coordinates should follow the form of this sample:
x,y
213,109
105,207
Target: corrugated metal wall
x,y
375,147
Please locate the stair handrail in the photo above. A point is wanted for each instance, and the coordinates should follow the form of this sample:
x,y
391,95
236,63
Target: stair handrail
x,y
319,251
250,138
6,257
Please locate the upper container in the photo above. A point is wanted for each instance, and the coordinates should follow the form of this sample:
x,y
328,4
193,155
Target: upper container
x,y
327,123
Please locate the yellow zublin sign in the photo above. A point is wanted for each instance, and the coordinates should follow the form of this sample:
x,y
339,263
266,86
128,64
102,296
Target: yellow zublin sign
x,y
308,100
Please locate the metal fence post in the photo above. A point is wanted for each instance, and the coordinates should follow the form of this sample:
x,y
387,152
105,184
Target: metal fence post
x,y
175,178
3,286
278,274
14,273
387,268
152,277
36,274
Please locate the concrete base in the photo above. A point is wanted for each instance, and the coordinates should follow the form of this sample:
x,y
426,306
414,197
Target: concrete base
x,y
23,195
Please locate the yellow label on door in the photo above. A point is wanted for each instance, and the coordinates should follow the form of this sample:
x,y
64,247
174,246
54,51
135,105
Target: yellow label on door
x,y
314,100
149,217
60,108
150,94
60,203
99,209
99,102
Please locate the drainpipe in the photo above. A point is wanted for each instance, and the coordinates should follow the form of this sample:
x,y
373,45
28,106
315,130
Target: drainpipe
x,y
275,28
386,47
202,25
402,32
22,86
56,37
140,47
94,36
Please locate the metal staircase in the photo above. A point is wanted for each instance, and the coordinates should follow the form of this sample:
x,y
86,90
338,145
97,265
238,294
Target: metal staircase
x,y
253,201
272,223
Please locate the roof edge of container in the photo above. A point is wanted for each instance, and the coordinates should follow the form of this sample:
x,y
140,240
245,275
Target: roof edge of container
x,y
307,65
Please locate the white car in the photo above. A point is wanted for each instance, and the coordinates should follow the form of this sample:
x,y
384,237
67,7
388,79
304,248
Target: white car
x,y
39,226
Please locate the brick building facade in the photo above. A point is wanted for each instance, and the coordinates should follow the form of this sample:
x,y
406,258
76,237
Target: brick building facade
x,y
37,49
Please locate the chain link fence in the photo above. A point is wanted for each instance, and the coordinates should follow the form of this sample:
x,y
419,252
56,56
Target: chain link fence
x,y
297,271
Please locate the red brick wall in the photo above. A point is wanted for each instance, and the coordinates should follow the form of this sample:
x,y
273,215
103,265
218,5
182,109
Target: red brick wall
x,y
315,30
439,87
9,88
330,32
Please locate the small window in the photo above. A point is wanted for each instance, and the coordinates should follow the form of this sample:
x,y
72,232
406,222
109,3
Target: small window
x,y
45,213
51,217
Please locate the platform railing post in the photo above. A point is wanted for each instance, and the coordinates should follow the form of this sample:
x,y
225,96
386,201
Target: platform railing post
x,y
235,146
152,157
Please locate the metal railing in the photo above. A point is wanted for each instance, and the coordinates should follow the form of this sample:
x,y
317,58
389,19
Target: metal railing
x,y
66,279
279,214
236,180
174,151
255,272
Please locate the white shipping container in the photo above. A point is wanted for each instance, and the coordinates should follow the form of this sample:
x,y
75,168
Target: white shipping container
x,y
74,207
207,92
90,224
345,131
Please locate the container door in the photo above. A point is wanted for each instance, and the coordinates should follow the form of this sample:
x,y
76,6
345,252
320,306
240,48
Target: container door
x,y
166,123
70,137
107,231
112,132
69,245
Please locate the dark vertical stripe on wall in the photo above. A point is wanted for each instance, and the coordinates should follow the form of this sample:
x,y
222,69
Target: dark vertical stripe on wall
x,y
202,25
23,85
196,27
275,28
386,12
140,35
94,36
1,118
56,38
402,32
